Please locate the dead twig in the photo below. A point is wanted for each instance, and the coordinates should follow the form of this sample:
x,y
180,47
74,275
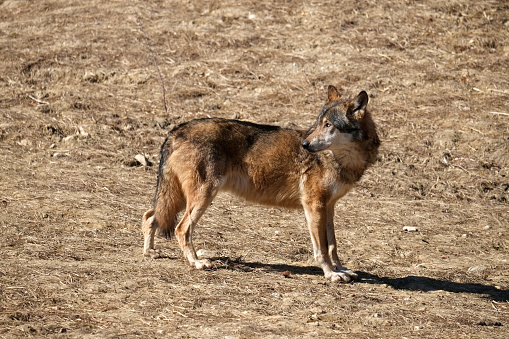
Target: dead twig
x,y
42,102
499,113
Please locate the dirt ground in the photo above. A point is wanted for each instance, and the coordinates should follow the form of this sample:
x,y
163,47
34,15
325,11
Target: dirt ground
x,y
85,86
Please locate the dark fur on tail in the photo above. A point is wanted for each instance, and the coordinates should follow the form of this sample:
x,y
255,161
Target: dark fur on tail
x,y
168,199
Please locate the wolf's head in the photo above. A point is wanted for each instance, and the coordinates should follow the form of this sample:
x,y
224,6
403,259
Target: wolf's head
x,y
338,123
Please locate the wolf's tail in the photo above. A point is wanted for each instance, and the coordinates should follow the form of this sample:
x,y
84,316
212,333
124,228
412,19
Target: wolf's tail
x,y
169,199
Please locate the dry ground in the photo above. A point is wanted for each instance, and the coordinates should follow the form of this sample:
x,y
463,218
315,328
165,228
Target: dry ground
x,y
81,93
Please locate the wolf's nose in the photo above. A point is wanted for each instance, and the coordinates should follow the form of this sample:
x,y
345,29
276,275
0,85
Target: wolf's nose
x,y
305,144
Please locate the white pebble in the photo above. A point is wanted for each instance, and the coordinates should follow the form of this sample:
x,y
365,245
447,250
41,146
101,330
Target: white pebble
x,y
142,159
479,268
203,253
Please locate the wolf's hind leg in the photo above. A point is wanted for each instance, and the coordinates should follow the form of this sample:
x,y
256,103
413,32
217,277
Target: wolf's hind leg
x,y
149,228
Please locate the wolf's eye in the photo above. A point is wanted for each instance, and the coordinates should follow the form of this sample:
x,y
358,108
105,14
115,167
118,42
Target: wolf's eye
x,y
327,124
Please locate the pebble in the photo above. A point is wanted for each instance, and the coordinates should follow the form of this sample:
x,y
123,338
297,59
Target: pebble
x,y
142,160
479,268
314,317
286,274
163,123
24,142
203,253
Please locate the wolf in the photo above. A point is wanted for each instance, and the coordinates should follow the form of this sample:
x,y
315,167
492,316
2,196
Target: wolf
x,y
265,164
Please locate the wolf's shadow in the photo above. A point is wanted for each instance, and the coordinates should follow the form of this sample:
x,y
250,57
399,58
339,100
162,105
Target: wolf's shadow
x,y
410,283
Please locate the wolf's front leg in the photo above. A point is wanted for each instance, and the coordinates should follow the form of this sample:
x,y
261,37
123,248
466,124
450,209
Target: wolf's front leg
x,y
196,205
331,238
317,216
184,233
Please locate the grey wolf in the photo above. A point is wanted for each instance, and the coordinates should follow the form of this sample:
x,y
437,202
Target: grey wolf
x,y
266,164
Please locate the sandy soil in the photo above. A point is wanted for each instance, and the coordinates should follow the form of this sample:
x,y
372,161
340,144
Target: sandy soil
x,y
86,86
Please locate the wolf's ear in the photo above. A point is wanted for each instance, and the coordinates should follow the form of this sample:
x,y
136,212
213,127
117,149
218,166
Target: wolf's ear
x,y
332,94
357,107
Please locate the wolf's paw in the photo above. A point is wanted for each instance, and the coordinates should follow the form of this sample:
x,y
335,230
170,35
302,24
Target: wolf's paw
x,y
202,264
336,264
153,253
343,274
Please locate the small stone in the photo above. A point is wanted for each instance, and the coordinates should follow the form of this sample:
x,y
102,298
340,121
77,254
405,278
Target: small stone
x,y
203,253
314,317
286,274
479,268
142,160
24,142
162,122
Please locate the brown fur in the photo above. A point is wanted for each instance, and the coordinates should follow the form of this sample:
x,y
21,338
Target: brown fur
x,y
268,165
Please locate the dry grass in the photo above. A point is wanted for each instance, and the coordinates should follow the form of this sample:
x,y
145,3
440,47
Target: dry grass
x,y
81,93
